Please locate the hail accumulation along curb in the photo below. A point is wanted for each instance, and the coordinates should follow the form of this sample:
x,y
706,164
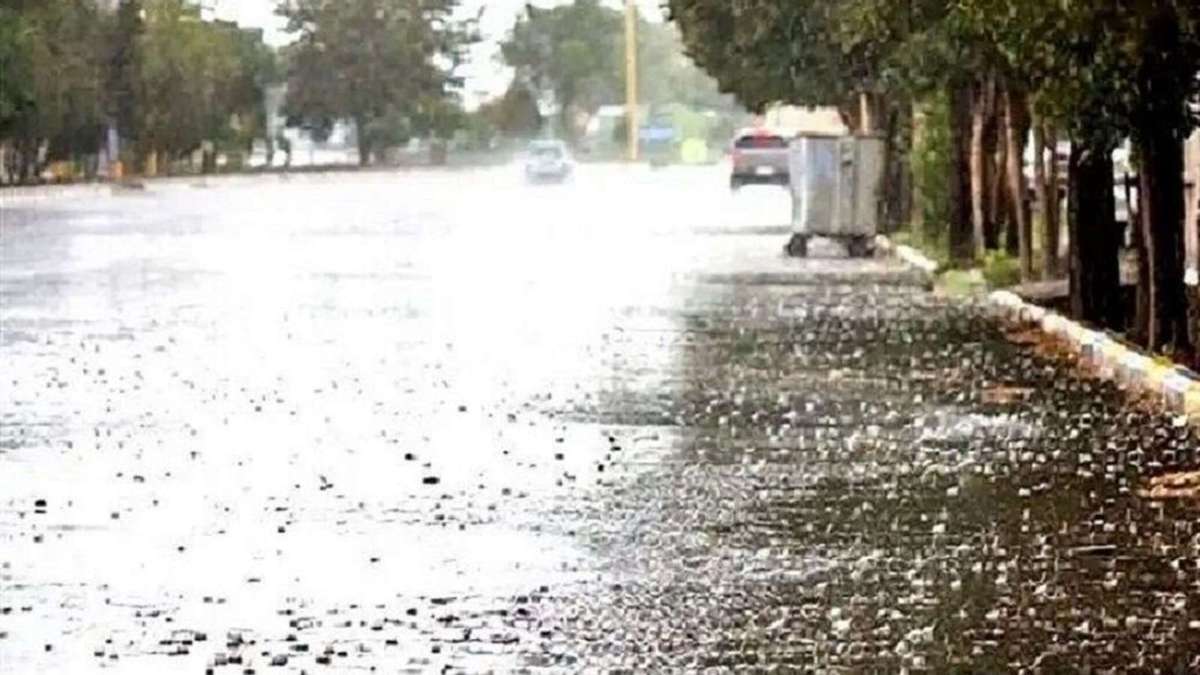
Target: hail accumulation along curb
x,y
908,254
1178,387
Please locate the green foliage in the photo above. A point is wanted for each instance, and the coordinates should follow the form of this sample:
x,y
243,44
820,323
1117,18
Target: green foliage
x,y
186,70
801,52
198,81
388,65
515,114
52,57
479,133
17,96
667,75
574,55
439,118
762,51
572,52
958,282
1001,270
256,67
391,129
931,162
167,79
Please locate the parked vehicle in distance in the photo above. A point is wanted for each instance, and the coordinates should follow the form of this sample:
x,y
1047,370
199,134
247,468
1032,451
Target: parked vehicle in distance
x,y
547,161
760,157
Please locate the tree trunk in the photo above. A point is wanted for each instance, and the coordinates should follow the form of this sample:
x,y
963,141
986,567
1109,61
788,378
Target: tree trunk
x,y
998,202
1046,184
25,161
962,248
208,157
897,188
904,175
1162,215
1039,181
1051,220
980,110
917,204
364,143
1094,239
1159,119
1011,229
1141,310
866,117
1015,114
850,112
568,129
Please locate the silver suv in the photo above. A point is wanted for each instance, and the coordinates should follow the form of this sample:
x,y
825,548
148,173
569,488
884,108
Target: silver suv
x,y
760,157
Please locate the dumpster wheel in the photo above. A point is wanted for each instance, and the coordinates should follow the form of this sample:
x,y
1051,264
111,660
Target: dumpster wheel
x,y
797,246
859,247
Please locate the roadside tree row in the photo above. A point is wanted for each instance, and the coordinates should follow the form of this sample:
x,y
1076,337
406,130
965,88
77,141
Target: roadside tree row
x,y
572,55
159,85
387,66
167,82
983,78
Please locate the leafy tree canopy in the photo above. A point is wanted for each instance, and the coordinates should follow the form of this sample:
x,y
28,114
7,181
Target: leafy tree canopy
x,y
573,52
372,61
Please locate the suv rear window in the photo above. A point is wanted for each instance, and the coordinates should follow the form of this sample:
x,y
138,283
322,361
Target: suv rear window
x,y
760,142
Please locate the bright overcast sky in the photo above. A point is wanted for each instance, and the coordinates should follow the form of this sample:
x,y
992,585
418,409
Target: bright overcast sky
x,y
485,76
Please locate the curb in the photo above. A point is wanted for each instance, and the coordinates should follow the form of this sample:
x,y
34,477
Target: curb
x,y
908,254
1176,386
10,196
35,194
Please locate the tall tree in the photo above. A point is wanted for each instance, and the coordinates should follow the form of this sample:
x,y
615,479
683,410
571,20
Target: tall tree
x,y
571,53
191,84
515,114
123,67
1165,44
370,61
17,96
667,75
53,75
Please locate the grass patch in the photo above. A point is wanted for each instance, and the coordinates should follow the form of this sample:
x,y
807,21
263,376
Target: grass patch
x,y
961,282
1000,270
933,249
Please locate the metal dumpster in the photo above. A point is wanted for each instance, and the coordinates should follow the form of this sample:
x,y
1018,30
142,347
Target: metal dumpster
x,y
835,184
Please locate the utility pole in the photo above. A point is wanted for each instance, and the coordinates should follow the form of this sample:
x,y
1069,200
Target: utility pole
x,y
631,83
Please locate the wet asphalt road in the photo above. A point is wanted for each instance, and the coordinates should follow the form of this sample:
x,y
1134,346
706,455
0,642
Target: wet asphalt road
x,y
445,421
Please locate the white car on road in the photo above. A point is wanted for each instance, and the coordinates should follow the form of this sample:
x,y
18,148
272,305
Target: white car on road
x,y
548,161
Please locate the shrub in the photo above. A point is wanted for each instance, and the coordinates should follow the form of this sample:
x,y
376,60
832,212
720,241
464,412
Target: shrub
x,y
1001,270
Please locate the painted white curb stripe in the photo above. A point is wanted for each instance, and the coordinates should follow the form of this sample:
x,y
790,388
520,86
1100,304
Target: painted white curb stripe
x,y
907,253
1178,387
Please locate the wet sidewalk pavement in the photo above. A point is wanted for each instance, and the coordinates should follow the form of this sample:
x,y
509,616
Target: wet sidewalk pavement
x,y
407,443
